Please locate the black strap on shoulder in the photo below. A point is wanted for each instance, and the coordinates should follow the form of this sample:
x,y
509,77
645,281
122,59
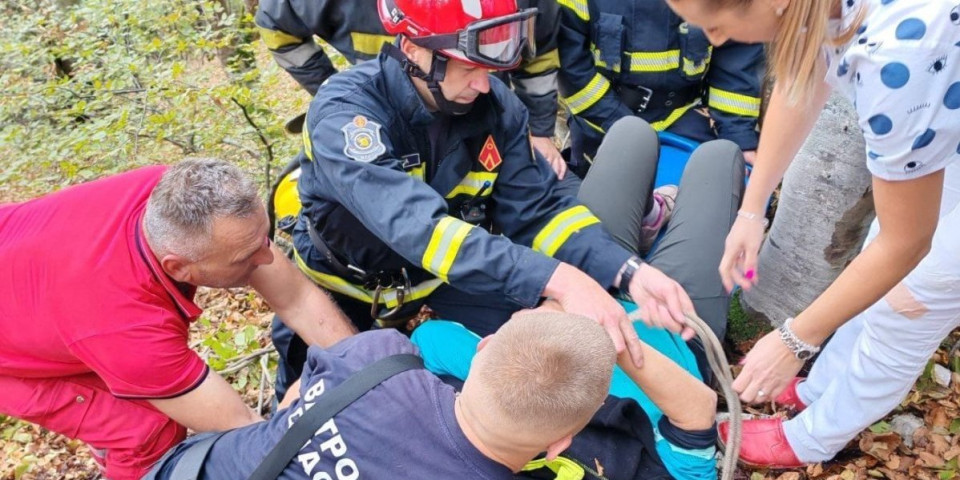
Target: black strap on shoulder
x,y
329,405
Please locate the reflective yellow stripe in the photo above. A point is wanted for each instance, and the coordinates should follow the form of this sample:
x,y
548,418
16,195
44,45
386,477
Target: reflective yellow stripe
x,y
691,68
654,61
307,144
416,172
541,63
444,245
594,126
472,183
563,468
275,39
735,103
561,227
369,43
388,297
589,95
598,61
673,117
578,7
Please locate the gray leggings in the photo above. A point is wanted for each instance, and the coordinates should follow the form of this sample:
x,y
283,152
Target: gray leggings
x,y
710,192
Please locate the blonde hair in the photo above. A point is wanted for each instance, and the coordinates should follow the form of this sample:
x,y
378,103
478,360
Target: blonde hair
x,y
795,54
546,372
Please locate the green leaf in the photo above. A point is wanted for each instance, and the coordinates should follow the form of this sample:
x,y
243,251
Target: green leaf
x,y
954,426
880,427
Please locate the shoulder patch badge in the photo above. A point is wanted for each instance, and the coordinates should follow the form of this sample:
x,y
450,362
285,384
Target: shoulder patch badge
x,y
489,155
363,142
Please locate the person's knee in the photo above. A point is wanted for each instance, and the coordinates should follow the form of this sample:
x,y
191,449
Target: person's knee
x,y
633,131
718,155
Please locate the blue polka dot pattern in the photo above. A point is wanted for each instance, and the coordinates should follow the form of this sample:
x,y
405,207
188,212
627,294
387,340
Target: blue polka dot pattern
x,y
924,139
958,149
887,2
863,28
894,74
880,124
873,155
843,69
951,99
911,29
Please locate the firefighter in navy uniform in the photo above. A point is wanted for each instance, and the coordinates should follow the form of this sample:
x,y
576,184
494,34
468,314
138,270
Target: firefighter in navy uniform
x,y
636,57
419,185
354,29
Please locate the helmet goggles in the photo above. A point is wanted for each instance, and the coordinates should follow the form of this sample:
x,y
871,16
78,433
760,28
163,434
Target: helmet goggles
x,y
496,43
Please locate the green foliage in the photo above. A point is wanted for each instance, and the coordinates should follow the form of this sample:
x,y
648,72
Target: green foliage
x,y
105,85
740,327
880,427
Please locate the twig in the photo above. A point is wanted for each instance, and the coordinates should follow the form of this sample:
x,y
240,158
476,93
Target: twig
x,y
263,139
136,135
237,364
264,378
236,143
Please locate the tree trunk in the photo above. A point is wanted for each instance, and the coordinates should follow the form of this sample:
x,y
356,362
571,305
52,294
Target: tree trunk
x,y
824,212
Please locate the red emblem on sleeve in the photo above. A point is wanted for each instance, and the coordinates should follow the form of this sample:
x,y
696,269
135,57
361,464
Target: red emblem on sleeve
x,y
489,155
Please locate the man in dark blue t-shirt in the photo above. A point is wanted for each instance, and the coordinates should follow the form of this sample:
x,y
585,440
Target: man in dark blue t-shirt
x,y
532,386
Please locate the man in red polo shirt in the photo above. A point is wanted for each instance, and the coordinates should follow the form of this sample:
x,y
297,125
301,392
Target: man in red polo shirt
x,y
96,299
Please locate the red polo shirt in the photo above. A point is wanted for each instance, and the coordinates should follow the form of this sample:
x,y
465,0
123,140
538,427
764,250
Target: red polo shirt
x,y
81,292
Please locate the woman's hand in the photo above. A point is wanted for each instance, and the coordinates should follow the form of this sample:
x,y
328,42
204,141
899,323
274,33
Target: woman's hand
x,y
767,370
739,262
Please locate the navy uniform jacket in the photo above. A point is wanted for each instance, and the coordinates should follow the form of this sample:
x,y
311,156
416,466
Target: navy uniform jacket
x,y
382,197
353,28
609,46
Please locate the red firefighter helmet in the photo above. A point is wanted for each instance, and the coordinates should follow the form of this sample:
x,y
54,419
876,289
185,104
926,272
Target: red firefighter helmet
x,y
486,33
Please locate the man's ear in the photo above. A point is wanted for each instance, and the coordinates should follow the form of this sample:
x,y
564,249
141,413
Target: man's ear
x,y
177,267
410,49
483,342
556,448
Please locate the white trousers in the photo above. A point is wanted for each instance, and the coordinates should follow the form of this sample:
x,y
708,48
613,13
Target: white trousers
x,y
871,363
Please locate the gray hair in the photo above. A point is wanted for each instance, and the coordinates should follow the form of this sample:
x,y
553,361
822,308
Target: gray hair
x,y
190,195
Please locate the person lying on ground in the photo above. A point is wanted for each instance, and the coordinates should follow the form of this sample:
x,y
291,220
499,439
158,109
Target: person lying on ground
x,y
414,426
678,409
533,385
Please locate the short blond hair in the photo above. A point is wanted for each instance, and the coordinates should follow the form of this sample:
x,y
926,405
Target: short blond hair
x,y
546,371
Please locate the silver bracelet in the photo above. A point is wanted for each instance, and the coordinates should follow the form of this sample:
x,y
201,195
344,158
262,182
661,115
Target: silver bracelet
x,y
753,216
802,350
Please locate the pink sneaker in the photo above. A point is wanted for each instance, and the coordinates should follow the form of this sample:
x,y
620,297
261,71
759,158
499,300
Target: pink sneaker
x,y
666,196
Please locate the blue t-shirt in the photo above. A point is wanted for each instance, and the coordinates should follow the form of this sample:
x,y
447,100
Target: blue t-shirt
x,y
403,428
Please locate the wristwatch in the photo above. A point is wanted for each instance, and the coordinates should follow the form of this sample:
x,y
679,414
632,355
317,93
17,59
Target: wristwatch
x,y
629,269
802,350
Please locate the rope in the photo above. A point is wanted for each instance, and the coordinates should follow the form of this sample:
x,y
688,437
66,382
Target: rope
x,y
720,367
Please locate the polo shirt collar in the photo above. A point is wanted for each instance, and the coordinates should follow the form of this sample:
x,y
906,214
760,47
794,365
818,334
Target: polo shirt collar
x,y
181,293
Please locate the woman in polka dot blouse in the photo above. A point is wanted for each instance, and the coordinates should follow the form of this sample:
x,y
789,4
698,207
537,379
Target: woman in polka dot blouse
x,y
899,61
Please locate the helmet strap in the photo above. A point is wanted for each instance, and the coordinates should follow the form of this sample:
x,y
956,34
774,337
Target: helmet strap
x,y
438,71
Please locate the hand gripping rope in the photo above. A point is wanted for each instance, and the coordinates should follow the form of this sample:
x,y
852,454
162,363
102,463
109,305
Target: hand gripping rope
x,y
721,368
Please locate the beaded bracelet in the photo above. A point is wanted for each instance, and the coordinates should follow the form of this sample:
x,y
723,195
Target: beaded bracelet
x,y
753,216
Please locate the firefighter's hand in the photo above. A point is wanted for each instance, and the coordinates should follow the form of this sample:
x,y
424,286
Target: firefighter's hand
x,y
578,293
548,149
662,301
